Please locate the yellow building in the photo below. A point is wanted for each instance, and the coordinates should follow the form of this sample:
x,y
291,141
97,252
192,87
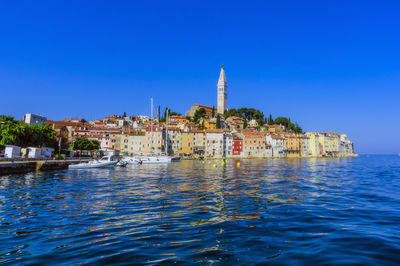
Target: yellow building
x,y
153,141
178,118
329,144
116,141
279,129
136,143
186,143
209,124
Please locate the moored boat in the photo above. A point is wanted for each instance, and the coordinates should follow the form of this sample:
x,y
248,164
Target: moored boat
x,y
131,160
122,163
155,159
106,161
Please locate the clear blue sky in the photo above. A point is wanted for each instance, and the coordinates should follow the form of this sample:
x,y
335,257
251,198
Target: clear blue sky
x,y
330,65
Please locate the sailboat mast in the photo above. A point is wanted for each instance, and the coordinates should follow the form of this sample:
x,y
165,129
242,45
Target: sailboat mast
x,y
166,133
151,123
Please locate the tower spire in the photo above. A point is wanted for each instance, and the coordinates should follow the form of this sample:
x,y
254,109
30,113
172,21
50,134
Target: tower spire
x,y
222,77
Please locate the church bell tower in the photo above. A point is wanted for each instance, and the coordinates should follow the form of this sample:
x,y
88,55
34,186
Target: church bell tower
x,y
222,91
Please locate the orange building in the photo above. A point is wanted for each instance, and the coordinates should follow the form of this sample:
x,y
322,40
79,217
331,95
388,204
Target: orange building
x,y
254,144
178,118
293,146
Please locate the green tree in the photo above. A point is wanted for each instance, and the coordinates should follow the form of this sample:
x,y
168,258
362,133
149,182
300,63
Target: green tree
x,y
6,118
270,120
213,112
248,113
86,144
124,115
42,135
200,113
290,126
260,122
245,124
18,133
298,129
167,114
282,121
218,123
175,113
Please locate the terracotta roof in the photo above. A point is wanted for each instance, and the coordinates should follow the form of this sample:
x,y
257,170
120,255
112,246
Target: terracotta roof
x,y
108,148
204,106
276,137
217,130
64,123
253,133
155,129
95,136
138,133
174,128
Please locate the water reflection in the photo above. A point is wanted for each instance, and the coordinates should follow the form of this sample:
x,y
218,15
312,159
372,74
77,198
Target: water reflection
x,y
278,210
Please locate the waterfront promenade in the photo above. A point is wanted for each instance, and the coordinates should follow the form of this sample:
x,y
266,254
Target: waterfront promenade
x,y
25,166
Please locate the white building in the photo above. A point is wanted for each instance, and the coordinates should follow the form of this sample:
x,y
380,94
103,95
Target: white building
x,y
110,152
199,142
253,123
228,145
314,145
12,151
277,145
172,143
215,144
345,146
305,147
39,153
34,119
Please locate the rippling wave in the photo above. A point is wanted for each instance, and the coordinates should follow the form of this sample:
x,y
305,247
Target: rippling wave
x,y
278,211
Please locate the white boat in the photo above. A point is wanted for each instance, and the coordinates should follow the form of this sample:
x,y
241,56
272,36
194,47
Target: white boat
x,y
131,160
154,159
106,161
122,163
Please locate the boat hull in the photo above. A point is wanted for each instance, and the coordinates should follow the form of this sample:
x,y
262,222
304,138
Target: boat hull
x,y
132,160
155,160
92,165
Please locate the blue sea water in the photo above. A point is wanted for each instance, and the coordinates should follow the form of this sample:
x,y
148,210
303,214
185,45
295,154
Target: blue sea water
x,y
276,211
